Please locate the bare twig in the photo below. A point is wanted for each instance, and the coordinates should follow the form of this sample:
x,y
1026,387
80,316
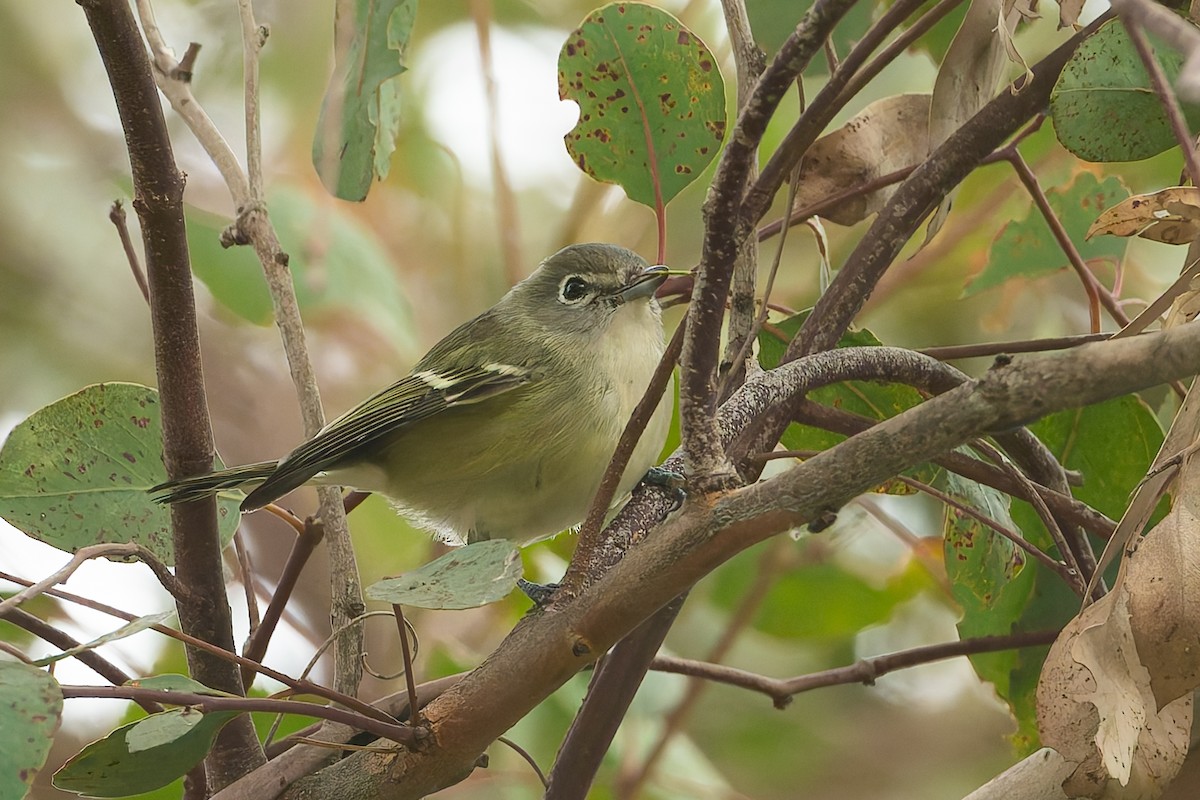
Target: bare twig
x,y
179,93
1097,293
1075,574
749,61
865,671
921,192
1008,533
524,754
406,654
297,686
81,557
116,216
1170,102
726,229
302,550
989,349
246,568
403,734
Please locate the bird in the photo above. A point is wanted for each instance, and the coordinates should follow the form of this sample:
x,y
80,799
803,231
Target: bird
x,y
504,429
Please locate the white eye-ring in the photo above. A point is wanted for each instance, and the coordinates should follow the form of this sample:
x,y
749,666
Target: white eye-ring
x,y
573,289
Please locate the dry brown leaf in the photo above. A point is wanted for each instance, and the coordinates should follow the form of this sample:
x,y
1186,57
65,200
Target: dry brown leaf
x,y
1064,722
1068,13
1097,709
888,135
1171,216
1162,577
969,76
1181,436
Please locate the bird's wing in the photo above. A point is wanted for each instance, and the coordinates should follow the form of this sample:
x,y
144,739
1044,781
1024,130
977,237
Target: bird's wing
x,y
414,397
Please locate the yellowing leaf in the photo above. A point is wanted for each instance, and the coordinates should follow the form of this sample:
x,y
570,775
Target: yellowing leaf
x,y
1171,216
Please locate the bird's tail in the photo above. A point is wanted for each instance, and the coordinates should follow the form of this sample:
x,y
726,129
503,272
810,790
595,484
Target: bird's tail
x,y
199,486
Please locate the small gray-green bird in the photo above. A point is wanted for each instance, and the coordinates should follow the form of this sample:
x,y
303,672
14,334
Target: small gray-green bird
x,y
504,429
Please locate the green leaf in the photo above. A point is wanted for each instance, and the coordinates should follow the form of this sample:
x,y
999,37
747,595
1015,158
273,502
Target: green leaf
x,y
651,101
988,575
816,601
143,755
466,577
353,277
1026,247
75,473
1103,106
1112,444
360,114
174,682
129,629
30,712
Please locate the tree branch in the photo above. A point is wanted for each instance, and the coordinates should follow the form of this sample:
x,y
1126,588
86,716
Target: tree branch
x,y
865,671
545,650
705,464
187,434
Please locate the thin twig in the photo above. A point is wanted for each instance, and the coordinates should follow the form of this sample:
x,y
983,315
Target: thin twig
x,y
81,557
179,93
246,567
865,671
894,49
297,686
1161,304
523,753
825,205
726,229
406,655
1072,571
402,734
1096,292
302,550
254,226
989,349
749,62
116,216
1013,536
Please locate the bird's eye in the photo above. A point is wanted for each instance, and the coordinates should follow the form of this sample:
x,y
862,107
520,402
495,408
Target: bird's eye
x,y
573,289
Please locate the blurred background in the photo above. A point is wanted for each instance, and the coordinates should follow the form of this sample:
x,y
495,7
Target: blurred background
x,y
481,189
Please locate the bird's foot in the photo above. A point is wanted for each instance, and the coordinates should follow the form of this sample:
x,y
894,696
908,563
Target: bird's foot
x,y
673,482
540,593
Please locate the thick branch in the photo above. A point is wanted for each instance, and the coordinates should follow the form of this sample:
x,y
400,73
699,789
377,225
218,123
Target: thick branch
x,y
723,241
545,650
187,435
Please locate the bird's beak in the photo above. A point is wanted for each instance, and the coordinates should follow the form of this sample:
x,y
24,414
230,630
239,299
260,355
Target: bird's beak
x,y
644,283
